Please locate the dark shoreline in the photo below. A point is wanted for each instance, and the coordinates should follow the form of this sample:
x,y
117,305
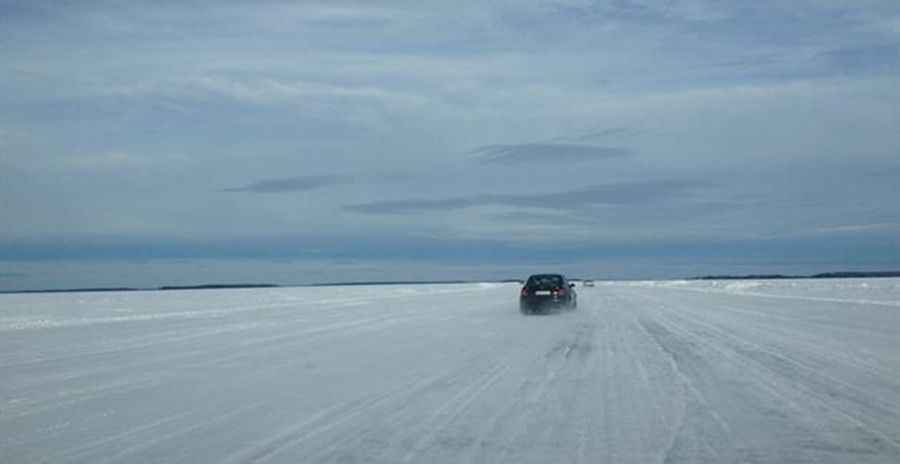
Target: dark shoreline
x,y
825,275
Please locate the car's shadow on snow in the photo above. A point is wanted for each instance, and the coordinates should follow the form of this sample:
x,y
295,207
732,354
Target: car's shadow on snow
x,y
552,311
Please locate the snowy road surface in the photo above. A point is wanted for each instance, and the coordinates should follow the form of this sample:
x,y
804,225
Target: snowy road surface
x,y
666,372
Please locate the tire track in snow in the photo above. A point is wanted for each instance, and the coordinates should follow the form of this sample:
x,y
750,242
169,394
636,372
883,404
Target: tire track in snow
x,y
8,324
389,429
340,415
309,305
453,409
826,399
19,408
844,301
247,349
509,425
93,392
727,346
72,454
691,441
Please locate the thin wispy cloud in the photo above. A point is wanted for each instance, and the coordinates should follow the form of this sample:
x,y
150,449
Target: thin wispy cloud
x,y
882,57
614,132
539,218
854,228
589,137
288,184
532,153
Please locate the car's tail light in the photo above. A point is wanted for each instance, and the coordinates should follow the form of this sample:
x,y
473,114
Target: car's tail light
x,y
561,291
524,291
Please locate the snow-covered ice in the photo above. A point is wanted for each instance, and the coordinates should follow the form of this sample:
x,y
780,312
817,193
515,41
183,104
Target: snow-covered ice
x,y
796,371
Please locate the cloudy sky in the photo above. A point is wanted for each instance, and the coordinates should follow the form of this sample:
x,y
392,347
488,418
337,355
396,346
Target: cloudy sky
x,y
451,133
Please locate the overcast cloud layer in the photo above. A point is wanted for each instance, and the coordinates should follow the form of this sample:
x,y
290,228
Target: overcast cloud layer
x,y
565,129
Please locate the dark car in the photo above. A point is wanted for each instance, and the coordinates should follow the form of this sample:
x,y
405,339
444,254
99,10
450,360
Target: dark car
x,y
545,291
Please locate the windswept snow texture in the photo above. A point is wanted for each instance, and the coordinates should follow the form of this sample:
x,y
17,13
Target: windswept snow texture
x,y
642,372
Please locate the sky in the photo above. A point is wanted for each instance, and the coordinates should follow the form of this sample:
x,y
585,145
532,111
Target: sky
x,y
446,138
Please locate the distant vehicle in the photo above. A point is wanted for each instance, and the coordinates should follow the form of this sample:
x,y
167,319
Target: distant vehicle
x,y
587,283
546,291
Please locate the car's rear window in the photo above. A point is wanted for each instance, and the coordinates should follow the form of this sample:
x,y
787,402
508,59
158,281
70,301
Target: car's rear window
x,y
544,281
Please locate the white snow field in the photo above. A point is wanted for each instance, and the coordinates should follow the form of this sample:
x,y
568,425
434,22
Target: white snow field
x,y
643,372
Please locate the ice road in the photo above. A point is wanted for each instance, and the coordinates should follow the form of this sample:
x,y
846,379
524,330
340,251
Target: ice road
x,y
642,372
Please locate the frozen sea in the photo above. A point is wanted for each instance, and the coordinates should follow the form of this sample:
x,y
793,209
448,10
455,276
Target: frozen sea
x,y
792,371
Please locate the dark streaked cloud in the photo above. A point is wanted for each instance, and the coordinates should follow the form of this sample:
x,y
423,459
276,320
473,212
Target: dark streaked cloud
x,y
414,206
608,194
607,133
546,153
288,184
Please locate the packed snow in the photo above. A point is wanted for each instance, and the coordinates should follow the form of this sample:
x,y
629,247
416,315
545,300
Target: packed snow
x,y
799,371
